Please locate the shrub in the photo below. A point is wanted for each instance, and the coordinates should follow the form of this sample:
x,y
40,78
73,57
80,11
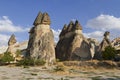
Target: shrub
x,y
26,62
109,53
7,58
18,53
30,62
39,62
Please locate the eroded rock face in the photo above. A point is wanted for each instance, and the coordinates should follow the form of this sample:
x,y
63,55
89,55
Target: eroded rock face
x,y
41,39
116,43
105,42
42,18
94,46
14,46
12,40
72,44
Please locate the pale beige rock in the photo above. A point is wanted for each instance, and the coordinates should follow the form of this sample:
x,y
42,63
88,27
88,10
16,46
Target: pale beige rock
x,y
42,18
116,43
41,40
13,46
12,40
105,42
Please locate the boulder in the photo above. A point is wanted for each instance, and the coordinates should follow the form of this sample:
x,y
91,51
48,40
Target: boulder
x,y
41,39
72,45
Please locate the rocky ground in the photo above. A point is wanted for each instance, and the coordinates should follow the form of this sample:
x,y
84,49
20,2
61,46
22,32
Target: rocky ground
x,y
70,73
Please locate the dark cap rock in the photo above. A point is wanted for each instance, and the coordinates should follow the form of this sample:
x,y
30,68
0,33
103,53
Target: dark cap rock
x,y
77,25
42,18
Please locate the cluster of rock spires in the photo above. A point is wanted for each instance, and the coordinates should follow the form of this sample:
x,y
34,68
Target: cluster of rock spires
x,y
72,44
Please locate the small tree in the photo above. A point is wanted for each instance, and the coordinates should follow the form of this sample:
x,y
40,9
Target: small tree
x,y
7,58
109,53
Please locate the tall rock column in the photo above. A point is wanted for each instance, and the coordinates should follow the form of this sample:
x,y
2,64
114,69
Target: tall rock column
x,y
12,41
11,44
41,39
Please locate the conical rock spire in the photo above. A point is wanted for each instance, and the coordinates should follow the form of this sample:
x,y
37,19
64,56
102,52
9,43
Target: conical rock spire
x,y
42,18
12,40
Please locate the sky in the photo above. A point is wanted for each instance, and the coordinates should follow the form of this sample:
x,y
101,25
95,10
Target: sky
x,y
95,16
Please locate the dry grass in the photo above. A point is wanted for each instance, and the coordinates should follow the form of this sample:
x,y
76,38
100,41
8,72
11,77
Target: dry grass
x,y
92,64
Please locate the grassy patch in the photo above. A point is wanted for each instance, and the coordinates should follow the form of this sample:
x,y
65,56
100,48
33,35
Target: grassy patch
x,y
30,62
34,74
96,78
59,68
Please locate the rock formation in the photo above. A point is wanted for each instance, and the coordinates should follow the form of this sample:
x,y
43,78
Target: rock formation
x,y
105,42
94,46
41,39
72,45
116,43
12,41
13,46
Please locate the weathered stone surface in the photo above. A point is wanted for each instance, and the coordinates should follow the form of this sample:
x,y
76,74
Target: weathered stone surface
x,y
116,43
13,46
41,40
63,32
105,42
42,19
12,40
77,26
11,43
72,44
94,46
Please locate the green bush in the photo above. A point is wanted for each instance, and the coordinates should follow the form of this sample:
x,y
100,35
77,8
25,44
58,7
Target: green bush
x,y
26,62
7,58
18,53
39,62
109,53
30,62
